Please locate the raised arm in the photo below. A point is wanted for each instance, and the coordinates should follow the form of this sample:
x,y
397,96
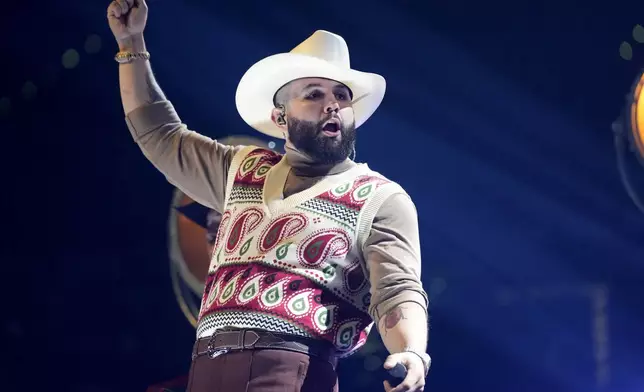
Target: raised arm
x,y
398,301
192,162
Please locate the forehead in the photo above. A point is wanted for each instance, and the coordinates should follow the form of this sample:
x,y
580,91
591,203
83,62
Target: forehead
x,y
308,83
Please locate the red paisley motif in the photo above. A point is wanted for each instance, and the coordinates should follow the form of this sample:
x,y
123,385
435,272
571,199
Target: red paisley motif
x,y
223,226
292,285
320,246
347,199
284,227
254,161
245,223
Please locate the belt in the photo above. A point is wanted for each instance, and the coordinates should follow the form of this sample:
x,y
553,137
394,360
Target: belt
x,y
235,340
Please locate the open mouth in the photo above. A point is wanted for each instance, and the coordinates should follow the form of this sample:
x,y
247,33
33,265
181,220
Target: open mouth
x,y
331,128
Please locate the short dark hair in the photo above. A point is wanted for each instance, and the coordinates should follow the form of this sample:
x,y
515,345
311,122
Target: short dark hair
x,y
282,96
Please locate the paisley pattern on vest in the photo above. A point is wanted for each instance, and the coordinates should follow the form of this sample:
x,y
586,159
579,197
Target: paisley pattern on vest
x,y
299,271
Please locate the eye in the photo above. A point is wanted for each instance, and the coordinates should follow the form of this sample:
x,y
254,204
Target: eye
x,y
313,95
342,96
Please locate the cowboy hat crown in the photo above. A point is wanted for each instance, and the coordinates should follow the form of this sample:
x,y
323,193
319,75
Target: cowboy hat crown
x,y
322,55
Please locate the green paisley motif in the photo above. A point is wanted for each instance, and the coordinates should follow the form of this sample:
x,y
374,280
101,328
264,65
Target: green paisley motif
x,y
282,251
299,304
329,271
262,170
228,292
249,164
272,236
365,191
249,292
245,247
341,189
313,250
324,319
273,296
234,235
345,335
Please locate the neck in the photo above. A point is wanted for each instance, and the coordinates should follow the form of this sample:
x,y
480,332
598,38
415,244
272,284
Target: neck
x,y
305,166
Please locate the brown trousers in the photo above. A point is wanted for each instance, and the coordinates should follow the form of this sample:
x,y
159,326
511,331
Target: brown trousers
x,y
262,371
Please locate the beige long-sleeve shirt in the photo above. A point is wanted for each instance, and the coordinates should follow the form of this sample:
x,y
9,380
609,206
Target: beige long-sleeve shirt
x,y
199,167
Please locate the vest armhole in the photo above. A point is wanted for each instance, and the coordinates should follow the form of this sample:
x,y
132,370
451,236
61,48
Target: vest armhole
x,y
234,166
370,210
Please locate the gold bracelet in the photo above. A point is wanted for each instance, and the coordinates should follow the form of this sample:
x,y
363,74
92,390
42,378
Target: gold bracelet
x,y
128,57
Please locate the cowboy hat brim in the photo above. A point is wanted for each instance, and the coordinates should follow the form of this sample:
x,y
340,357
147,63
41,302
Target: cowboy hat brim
x,y
257,88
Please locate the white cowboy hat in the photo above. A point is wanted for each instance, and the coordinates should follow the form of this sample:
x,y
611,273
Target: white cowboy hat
x,y
322,55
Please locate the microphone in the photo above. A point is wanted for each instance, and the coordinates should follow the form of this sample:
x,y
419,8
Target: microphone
x,y
399,371
396,374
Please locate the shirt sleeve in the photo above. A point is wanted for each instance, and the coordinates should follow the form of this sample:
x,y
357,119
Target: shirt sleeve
x,y
194,163
392,254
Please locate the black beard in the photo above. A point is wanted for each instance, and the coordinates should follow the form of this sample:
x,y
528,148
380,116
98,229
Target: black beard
x,y
308,138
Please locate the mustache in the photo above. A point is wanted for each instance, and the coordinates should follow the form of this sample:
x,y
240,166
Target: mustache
x,y
343,126
332,116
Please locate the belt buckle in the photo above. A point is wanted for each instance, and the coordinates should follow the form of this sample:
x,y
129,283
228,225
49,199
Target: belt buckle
x,y
212,354
211,351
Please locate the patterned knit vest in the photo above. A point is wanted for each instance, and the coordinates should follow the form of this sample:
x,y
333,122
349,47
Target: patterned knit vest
x,y
293,265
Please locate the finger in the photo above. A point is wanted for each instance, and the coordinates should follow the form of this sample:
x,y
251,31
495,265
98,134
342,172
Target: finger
x,y
390,362
410,384
130,3
402,387
124,6
387,386
141,4
114,10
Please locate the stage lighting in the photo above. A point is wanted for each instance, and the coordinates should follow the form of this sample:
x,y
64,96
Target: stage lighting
x,y
629,135
635,123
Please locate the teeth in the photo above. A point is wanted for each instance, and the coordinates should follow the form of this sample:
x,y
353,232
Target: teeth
x,y
332,126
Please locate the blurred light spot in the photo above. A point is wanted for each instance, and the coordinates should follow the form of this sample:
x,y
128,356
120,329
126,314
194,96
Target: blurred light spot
x,y
369,347
70,58
638,34
625,51
372,362
271,144
93,44
5,106
29,91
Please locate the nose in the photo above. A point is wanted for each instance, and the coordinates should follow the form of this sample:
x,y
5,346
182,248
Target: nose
x,y
332,106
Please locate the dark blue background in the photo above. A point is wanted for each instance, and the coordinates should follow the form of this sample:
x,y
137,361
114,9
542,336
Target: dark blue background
x,y
496,120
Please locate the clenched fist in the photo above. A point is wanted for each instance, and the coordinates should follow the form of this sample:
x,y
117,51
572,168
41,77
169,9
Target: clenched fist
x,y
127,18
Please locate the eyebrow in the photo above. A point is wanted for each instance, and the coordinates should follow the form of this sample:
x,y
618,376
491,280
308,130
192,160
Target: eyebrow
x,y
337,86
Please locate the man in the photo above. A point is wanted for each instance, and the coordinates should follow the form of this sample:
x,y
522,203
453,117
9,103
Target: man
x,y
312,247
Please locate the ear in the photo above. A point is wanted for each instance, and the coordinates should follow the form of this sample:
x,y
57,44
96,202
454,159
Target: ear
x,y
279,118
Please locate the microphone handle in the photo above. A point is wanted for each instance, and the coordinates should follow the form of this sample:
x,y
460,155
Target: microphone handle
x,y
399,371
